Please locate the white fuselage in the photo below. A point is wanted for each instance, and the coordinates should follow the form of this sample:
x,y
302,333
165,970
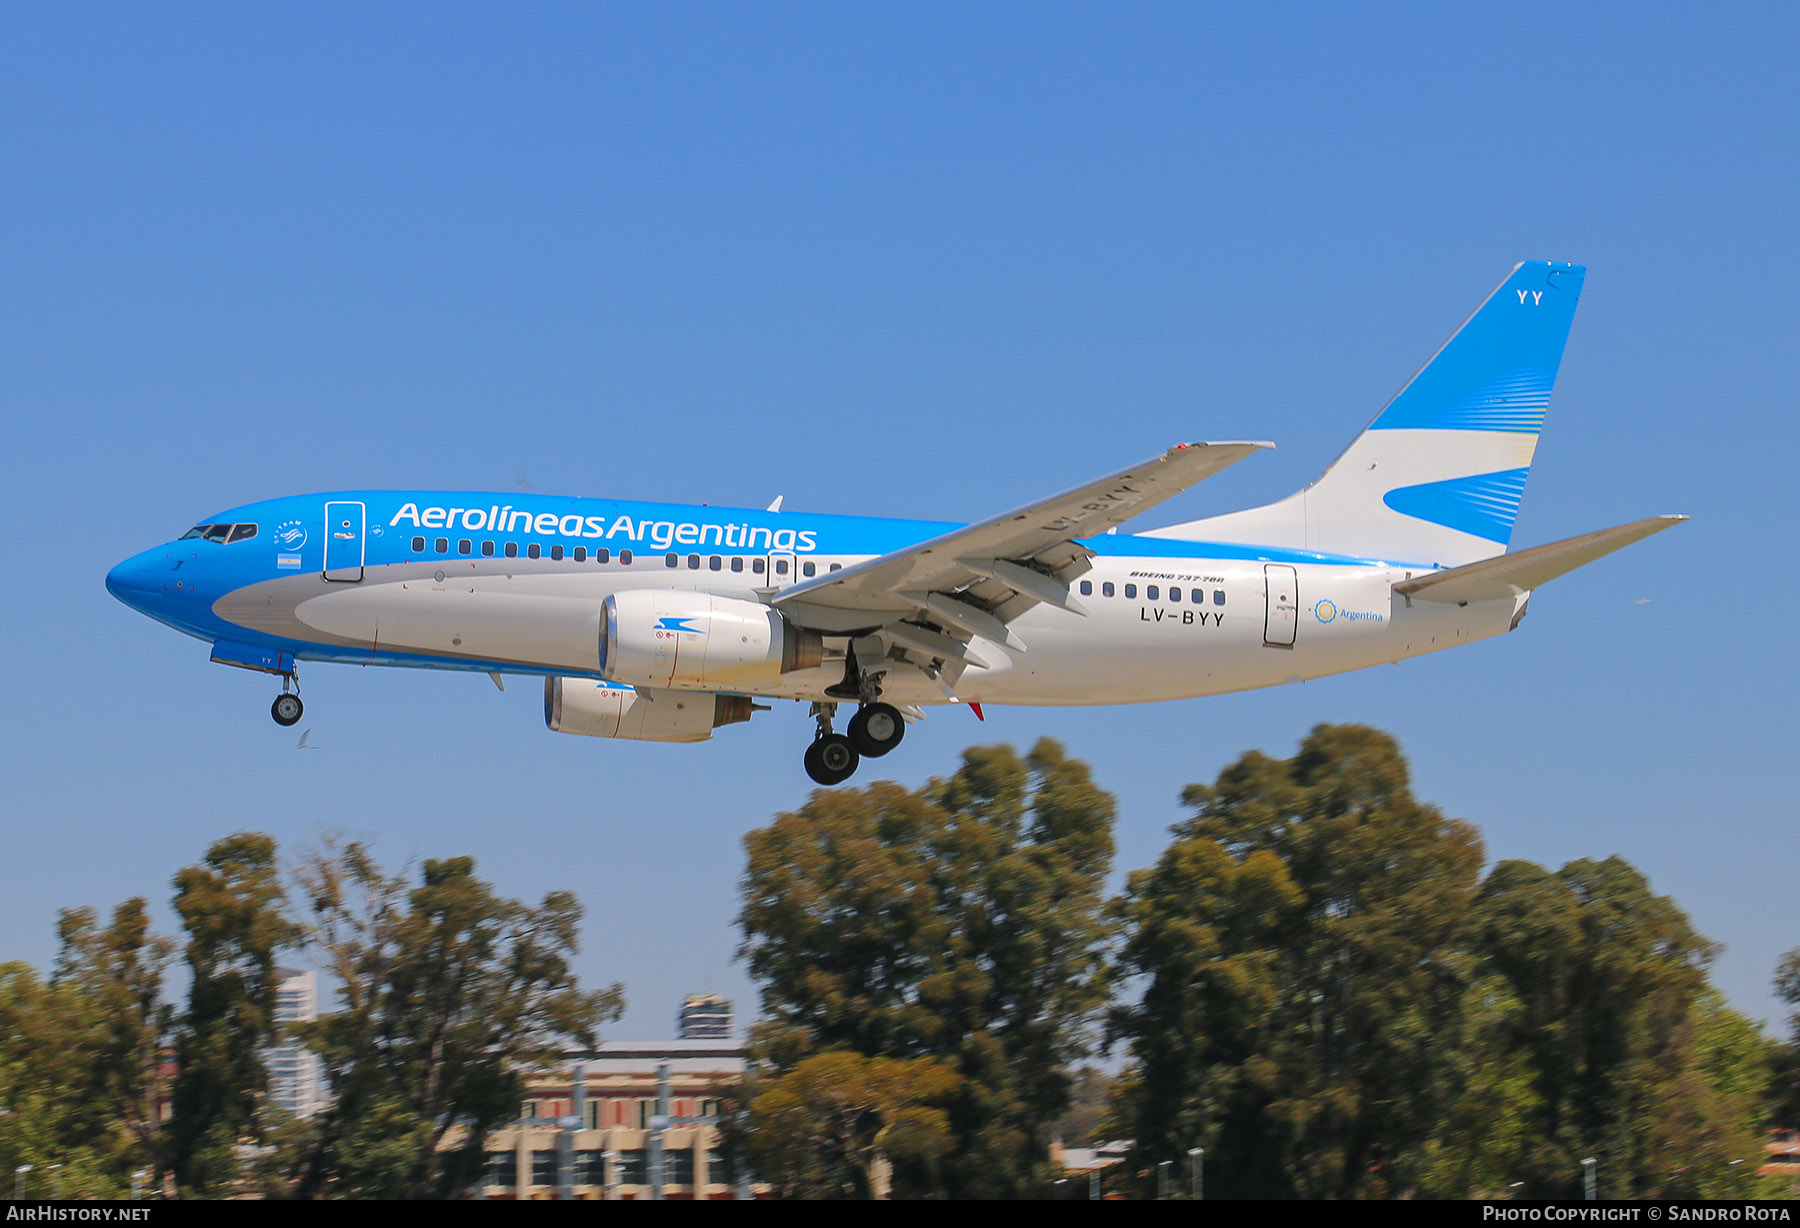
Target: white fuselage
x,y
1235,625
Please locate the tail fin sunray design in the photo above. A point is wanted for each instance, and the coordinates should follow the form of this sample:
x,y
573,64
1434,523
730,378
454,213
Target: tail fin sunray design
x,y
1437,478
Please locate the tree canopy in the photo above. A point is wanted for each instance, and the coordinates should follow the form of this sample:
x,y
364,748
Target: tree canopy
x,y
233,907
963,921
446,991
1335,1003
1304,949
80,1056
833,1125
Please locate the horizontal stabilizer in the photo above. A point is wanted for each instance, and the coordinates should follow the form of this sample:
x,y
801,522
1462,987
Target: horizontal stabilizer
x,y
1511,574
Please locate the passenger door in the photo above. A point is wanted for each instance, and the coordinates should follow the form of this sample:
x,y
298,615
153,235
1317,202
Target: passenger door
x,y
344,541
1281,590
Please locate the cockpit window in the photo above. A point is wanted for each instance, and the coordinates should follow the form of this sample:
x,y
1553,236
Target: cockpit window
x,y
221,532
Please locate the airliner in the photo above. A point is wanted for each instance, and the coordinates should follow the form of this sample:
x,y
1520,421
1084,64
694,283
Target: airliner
x,y
665,622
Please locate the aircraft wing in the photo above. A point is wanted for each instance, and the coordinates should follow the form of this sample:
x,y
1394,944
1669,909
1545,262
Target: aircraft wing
x,y
1510,574
976,579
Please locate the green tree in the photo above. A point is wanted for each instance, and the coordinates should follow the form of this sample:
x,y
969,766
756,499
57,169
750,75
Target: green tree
x,y
833,1125
1718,1112
1485,1137
233,909
79,1055
963,921
446,992
116,976
1785,1092
1304,948
1610,979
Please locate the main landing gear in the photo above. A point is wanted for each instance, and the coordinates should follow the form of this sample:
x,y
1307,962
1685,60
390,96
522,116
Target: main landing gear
x,y
833,757
287,708
877,728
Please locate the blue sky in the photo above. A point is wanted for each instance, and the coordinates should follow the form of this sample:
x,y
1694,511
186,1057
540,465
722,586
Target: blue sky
x,y
917,261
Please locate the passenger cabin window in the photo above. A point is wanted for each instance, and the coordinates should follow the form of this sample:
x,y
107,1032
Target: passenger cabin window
x,y
512,550
556,552
693,562
1152,592
1174,593
581,554
757,565
443,545
1087,588
1131,590
811,569
487,548
418,545
715,563
1218,596
464,546
625,557
1106,588
672,560
602,554
737,562
534,551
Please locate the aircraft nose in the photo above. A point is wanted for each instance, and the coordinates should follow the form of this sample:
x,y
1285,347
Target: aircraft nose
x,y
138,577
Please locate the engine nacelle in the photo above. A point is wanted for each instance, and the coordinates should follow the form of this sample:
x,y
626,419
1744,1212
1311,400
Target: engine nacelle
x,y
600,710
673,638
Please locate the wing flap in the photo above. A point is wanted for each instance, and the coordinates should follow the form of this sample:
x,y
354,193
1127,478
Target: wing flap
x,y
1511,574
1039,537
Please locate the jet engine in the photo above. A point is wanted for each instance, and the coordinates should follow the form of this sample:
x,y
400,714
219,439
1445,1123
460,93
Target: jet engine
x,y
601,710
682,640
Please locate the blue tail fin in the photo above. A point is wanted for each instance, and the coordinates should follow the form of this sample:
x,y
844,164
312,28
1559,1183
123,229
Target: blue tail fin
x,y
1438,476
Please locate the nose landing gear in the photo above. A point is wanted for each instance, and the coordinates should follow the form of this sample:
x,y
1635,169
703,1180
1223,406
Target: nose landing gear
x,y
287,708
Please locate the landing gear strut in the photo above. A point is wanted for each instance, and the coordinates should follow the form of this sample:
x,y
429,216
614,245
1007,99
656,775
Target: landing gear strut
x,y
832,758
874,731
287,708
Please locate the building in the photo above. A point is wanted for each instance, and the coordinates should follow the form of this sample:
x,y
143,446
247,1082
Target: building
x,y
607,1124
704,1016
1083,1169
1781,1157
296,1076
